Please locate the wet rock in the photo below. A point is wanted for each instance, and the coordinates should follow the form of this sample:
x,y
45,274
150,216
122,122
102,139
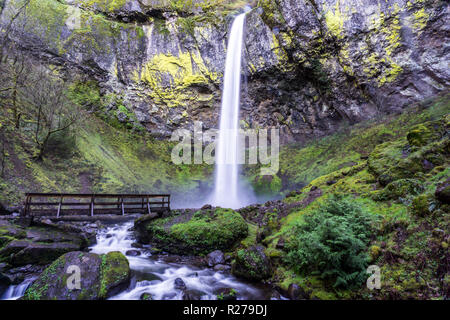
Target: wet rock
x,y
179,284
102,277
221,267
443,192
193,295
3,267
252,264
146,296
5,282
137,245
133,253
295,292
41,253
228,258
215,257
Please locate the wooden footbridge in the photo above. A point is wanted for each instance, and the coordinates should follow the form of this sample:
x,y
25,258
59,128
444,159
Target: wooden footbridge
x,y
66,204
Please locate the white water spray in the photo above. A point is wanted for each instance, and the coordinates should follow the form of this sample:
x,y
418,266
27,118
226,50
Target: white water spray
x,y
227,169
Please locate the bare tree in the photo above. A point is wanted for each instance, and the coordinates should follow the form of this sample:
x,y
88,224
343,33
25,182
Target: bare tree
x,y
15,73
48,106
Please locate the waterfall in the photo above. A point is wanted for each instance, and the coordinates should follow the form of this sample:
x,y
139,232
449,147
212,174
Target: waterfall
x,y
227,170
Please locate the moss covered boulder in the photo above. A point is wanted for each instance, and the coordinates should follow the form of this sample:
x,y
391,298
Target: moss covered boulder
x,y
101,276
443,192
193,232
252,264
424,133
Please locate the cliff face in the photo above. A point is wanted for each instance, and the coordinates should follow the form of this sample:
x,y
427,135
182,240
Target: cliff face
x,y
309,64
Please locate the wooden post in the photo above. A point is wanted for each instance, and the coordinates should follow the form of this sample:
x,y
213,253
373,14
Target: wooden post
x,y
148,205
123,208
92,206
59,207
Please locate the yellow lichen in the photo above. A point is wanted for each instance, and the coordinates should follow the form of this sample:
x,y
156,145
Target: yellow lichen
x,y
335,21
169,76
420,20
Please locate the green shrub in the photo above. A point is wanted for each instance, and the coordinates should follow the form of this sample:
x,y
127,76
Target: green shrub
x,y
332,242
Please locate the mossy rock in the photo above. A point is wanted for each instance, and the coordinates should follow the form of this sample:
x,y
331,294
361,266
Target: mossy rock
x,y
101,276
423,134
401,188
194,232
443,192
252,264
393,161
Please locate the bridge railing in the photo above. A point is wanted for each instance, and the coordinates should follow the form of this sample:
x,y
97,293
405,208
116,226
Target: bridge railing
x,y
58,204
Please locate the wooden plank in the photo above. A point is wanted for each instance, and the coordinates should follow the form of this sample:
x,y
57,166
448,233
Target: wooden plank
x,y
85,195
92,206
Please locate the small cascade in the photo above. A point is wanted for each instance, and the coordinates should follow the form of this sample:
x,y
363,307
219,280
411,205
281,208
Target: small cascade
x,y
14,292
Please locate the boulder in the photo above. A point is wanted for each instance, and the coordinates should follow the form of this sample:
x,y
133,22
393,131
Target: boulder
x,y
295,292
5,282
146,296
221,267
179,284
252,264
101,276
214,258
192,295
133,253
189,232
443,192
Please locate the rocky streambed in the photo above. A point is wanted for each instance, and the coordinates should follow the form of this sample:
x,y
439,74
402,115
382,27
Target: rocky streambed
x,y
113,266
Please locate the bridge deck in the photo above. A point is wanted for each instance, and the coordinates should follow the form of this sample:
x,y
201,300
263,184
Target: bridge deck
x,y
67,204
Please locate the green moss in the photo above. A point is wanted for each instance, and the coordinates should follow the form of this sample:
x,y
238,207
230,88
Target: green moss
x,y
114,270
201,233
334,20
104,5
401,188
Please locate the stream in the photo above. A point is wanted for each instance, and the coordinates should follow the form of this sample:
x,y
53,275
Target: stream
x,y
155,275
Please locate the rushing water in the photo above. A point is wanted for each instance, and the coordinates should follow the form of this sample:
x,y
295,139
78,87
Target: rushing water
x,y
154,276
227,169
14,292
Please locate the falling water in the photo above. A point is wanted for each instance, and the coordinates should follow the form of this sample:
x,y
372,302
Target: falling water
x,y
227,169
